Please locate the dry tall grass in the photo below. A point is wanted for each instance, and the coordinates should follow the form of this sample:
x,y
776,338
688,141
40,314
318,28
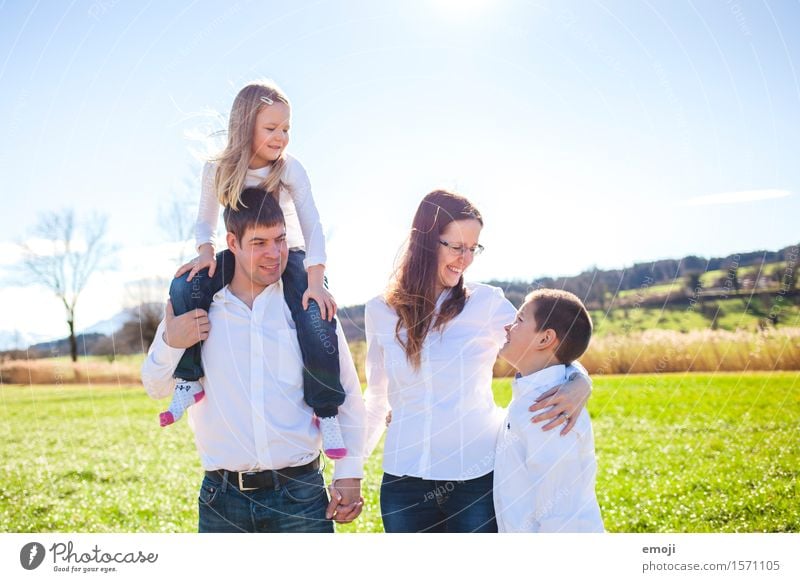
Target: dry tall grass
x,y
652,351
52,371
656,351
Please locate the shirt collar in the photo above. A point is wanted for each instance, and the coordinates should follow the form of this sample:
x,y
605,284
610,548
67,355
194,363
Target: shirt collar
x,y
548,377
225,295
260,172
443,296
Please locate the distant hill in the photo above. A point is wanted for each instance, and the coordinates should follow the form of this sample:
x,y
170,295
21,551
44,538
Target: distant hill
x,y
749,290
737,291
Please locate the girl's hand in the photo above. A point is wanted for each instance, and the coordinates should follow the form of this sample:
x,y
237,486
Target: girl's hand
x,y
566,402
327,305
207,259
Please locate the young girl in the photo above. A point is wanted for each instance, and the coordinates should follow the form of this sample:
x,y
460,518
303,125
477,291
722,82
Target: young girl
x,y
258,133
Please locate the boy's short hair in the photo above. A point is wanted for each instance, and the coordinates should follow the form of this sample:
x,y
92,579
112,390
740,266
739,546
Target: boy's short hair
x,y
256,208
565,314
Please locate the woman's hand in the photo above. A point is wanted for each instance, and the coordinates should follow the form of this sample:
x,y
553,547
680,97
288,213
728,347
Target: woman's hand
x,y
207,259
327,305
565,402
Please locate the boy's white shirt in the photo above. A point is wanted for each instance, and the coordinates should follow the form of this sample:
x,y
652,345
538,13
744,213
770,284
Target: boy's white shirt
x,y
544,482
253,416
303,226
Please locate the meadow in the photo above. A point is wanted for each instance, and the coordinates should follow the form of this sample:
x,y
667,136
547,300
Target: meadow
x,y
676,453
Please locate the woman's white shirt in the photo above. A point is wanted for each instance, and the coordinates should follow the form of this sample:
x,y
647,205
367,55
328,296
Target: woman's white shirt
x,y
444,420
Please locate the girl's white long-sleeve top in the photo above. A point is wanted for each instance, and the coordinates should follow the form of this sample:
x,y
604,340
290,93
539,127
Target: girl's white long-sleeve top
x,y
444,420
303,226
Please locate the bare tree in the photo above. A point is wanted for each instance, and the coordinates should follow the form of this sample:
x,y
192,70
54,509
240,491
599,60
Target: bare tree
x,y
177,217
146,300
63,262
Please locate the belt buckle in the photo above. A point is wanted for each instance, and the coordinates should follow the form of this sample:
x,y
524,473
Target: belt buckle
x,y
241,484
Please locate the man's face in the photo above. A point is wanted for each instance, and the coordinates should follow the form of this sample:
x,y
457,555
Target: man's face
x,y
262,253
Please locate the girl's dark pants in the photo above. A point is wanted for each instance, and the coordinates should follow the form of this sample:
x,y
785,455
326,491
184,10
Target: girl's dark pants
x,y
322,389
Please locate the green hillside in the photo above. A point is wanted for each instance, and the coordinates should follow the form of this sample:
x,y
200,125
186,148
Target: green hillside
x,y
745,291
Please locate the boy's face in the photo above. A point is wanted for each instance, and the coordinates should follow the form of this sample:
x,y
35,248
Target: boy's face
x,y
523,337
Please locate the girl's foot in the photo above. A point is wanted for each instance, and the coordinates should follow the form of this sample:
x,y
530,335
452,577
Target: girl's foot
x,y
332,442
186,394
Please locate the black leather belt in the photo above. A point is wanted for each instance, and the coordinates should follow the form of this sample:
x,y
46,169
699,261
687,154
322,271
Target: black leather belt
x,y
250,481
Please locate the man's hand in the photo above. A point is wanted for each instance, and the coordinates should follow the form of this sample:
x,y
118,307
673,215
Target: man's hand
x,y
183,331
346,501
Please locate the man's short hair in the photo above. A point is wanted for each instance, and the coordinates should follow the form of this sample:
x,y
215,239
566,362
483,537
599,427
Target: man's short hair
x,y
565,314
256,208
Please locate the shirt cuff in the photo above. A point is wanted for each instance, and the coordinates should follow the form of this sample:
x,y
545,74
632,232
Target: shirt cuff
x,y
165,355
211,241
351,467
311,261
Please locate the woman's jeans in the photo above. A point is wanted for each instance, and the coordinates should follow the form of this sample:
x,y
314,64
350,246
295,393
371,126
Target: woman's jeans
x,y
410,504
322,389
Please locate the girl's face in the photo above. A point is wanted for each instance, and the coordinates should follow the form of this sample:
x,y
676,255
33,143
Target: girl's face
x,y
270,135
461,237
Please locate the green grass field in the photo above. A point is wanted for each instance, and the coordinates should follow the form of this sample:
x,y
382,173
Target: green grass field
x,y
676,453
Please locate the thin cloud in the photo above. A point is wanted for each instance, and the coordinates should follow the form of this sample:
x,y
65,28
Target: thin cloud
x,y
737,197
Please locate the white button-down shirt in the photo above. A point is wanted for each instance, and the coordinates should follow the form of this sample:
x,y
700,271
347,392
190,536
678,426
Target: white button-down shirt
x,y
544,482
253,416
444,418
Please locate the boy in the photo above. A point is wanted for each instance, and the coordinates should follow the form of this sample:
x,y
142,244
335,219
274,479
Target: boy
x,y
544,482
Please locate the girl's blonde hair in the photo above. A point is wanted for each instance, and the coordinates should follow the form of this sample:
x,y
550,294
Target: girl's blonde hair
x,y
233,162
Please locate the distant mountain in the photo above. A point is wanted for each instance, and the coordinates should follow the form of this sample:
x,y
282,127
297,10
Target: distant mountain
x,y
11,340
109,326
87,345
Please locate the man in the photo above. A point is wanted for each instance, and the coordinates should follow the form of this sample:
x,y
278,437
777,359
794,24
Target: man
x,y
255,434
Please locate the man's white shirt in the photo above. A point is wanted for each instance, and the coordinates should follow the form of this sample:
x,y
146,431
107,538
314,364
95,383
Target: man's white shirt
x,y
253,416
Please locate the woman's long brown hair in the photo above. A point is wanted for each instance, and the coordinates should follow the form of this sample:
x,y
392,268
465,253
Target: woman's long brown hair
x,y
412,293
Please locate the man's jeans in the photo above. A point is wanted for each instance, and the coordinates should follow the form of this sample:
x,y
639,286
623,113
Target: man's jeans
x,y
322,389
298,506
410,504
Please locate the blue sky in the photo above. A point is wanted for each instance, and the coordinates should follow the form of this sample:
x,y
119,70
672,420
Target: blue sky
x,y
588,133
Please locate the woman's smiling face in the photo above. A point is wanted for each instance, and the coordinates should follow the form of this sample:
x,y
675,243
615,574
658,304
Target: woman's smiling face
x,y
459,234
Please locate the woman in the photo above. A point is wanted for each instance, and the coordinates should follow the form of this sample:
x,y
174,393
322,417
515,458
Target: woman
x,y
432,341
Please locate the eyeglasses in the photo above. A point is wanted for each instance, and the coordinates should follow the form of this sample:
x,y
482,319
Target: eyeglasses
x,y
459,250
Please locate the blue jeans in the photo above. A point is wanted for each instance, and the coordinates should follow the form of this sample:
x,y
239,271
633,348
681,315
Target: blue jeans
x,y
299,506
322,389
410,504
